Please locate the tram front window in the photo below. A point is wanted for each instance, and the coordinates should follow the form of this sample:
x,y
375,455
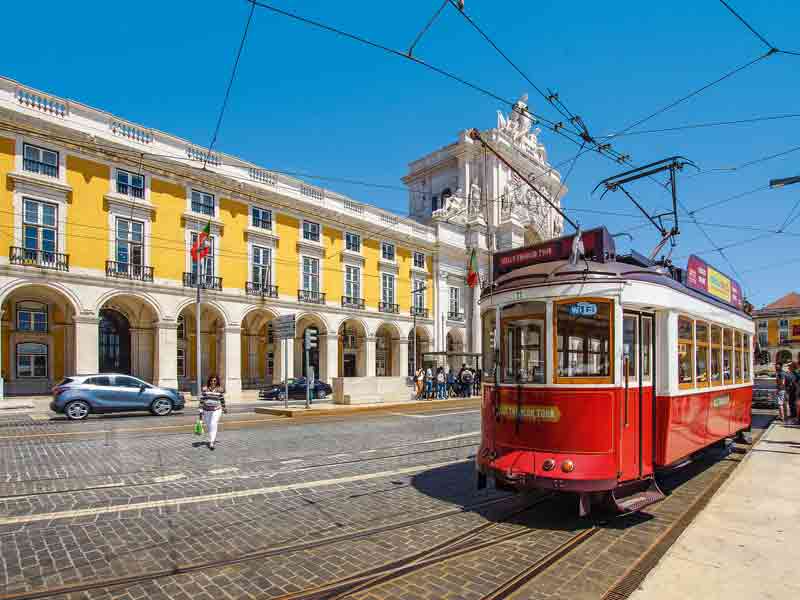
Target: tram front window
x,y
523,343
583,333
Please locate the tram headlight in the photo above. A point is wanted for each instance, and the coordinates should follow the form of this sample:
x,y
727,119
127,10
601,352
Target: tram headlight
x,y
549,464
568,466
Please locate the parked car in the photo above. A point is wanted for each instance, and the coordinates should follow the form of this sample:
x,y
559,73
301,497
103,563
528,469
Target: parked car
x,y
297,389
79,395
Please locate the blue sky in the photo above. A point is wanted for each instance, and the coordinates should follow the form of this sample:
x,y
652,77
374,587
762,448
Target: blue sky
x,y
310,102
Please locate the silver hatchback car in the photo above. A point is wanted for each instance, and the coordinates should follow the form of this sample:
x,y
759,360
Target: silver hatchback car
x,y
79,395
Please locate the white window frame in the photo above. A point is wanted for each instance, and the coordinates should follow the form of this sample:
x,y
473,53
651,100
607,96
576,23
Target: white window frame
x,y
129,241
384,246
258,249
454,307
393,287
18,356
424,264
303,259
180,360
311,224
39,225
419,301
349,282
211,258
783,326
262,210
214,204
130,175
41,150
32,308
348,235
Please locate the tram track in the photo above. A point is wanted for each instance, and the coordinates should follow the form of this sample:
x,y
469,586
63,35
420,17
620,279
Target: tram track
x,y
211,565
299,469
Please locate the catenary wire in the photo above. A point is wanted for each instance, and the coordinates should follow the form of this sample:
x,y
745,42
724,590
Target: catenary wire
x,y
704,125
744,165
230,83
746,24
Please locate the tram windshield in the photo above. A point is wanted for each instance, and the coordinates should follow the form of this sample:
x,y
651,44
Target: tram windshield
x,y
583,332
523,343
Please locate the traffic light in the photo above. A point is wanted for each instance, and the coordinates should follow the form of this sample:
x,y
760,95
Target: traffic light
x,y
310,338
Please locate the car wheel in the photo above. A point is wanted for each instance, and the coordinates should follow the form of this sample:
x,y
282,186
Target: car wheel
x,y
77,410
161,407
320,394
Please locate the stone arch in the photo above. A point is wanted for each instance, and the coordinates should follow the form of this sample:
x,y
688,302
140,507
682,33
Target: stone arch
x,y
261,352
74,300
454,343
213,322
352,338
387,350
318,358
42,316
419,344
128,300
190,302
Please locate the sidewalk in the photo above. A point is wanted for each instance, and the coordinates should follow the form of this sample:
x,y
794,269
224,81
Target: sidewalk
x,y
742,545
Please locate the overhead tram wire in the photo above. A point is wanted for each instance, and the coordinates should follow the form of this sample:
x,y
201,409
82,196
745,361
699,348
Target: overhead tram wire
x,y
769,45
704,125
744,165
230,82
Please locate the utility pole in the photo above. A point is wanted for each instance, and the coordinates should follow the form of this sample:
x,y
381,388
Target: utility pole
x,y
414,292
199,368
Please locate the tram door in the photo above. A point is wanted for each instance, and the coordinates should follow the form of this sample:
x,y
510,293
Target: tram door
x,y
636,406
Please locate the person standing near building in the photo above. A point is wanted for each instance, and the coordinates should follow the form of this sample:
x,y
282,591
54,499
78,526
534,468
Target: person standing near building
x,y
780,393
441,383
212,405
419,380
429,383
792,389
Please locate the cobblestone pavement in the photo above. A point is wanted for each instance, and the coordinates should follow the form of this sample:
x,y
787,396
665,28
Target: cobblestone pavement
x,y
307,503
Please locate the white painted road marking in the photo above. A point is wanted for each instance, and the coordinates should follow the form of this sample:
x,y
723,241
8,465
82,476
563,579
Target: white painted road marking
x,y
166,478
463,412
292,460
223,470
88,512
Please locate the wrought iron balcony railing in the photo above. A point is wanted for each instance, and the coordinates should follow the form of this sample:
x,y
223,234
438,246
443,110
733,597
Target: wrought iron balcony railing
x,y
35,166
123,270
129,190
262,224
455,316
38,258
261,289
352,302
388,307
208,282
420,312
311,296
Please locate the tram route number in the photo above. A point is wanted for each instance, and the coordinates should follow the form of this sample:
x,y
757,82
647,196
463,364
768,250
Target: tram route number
x,y
582,309
549,414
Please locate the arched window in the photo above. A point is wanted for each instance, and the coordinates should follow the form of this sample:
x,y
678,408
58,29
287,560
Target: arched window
x,y
31,360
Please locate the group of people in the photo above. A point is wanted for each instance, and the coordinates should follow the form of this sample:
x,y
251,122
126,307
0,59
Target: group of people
x,y
787,383
438,384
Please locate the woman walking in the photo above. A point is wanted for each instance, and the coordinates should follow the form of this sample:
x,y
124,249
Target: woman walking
x,y
212,405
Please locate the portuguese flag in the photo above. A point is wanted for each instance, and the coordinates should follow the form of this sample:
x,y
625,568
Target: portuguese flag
x,y
472,269
201,247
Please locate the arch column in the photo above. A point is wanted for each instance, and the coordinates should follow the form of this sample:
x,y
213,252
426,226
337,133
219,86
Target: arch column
x,y
142,358
231,359
87,345
370,352
166,351
400,358
329,357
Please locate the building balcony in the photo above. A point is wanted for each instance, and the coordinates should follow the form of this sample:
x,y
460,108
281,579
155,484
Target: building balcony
x,y
388,307
128,190
417,311
208,282
38,258
259,289
311,296
352,302
35,166
455,316
123,270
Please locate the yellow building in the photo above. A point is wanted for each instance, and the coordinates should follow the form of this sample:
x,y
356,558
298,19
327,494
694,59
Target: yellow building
x,y
97,218
778,330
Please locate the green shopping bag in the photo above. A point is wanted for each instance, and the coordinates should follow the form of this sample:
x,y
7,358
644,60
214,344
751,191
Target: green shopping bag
x,y
198,427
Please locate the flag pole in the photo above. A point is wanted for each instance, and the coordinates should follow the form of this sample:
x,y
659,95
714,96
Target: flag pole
x,y
199,384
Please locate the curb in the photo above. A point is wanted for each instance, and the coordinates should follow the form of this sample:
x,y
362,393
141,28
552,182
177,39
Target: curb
x,y
350,408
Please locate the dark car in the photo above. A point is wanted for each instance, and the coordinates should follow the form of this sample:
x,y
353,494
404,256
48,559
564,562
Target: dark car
x,y
79,395
297,389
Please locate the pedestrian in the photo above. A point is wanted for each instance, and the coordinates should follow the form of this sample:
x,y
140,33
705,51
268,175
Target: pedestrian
x,y
441,383
792,389
212,405
451,383
780,394
419,380
429,383
466,378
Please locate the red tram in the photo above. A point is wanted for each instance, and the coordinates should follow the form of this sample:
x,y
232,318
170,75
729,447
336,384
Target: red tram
x,y
601,371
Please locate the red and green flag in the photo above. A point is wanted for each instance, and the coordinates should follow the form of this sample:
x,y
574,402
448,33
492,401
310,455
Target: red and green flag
x,y
472,269
201,246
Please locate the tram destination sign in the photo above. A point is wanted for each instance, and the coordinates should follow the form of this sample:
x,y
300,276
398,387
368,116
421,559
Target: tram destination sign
x,y
704,278
598,246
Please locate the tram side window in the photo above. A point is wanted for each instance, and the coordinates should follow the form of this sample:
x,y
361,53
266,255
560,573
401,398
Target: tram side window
x,y
747,353
727,356
701,353
685,352
630,351
715,354
647,347
583,332
523,343
488,340
737,356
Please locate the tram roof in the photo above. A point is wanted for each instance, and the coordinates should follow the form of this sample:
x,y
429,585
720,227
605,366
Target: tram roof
x,y
615,269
